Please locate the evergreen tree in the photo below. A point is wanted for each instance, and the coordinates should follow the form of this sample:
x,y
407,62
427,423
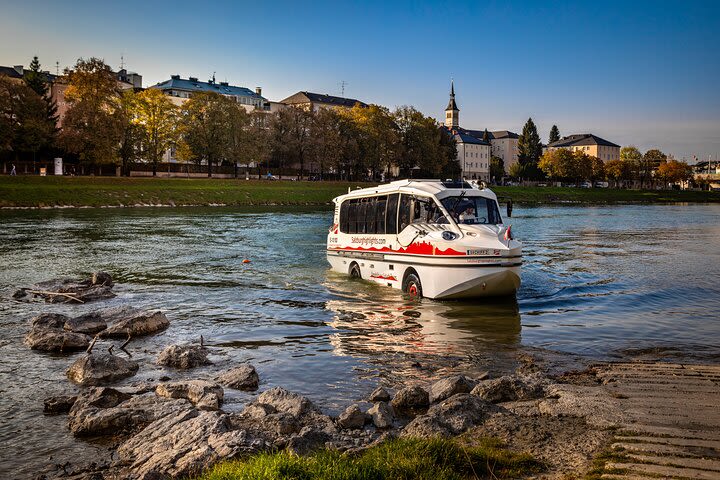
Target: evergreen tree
x,y
554,134
37,80
529,151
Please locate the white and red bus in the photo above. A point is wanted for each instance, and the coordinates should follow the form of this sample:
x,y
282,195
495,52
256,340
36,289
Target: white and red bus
x,y
430,238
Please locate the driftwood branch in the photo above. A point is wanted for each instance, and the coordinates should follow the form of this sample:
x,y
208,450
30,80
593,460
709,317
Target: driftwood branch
x,y
89,350
125,345
61,294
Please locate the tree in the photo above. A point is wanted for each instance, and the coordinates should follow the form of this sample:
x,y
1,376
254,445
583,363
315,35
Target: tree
x,y
554,134
206,128
497,169
241,145
157,117
618,171
130,131
674,171
378,135
291,136
92,125
652,159
326,143
24,126
529,151
634,160
597,169
448,155
486,137
409,122
559,164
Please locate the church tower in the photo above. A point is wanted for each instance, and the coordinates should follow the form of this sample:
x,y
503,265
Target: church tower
x,y
452,112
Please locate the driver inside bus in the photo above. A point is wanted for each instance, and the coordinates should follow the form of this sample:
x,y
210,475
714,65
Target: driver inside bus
x,y
468,216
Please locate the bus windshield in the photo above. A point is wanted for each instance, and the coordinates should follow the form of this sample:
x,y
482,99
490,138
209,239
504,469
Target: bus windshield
x,y
472,210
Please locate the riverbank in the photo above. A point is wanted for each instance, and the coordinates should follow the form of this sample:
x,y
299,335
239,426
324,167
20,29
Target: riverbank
x,y
59,192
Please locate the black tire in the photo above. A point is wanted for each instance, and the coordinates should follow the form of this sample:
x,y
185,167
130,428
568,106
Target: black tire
x,y
412,286
355,271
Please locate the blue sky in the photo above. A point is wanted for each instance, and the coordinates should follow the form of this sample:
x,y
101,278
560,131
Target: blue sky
x,y
634,72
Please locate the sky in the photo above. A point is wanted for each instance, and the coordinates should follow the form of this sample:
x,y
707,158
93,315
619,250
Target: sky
x,y
644,73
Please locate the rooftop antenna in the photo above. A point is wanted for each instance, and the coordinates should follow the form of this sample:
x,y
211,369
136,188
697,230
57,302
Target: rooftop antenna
x,y
57,68
343,84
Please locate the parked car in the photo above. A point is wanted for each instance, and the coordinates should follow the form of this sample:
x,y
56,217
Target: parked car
x,y
586,185
602,185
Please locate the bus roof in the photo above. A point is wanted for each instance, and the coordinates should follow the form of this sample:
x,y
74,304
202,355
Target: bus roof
x,y
436,188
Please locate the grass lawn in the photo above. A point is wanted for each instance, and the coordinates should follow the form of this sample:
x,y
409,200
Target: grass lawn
x,y
399,459
34,191
27,191
548,195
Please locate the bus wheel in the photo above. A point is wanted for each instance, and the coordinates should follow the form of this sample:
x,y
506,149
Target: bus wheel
x,y
355,271
412,286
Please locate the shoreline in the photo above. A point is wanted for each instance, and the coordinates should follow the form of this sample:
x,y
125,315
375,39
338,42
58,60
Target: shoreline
x,y
48,193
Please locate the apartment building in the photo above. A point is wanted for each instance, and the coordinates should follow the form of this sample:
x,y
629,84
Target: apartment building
x,y
180,89
315,101
590,144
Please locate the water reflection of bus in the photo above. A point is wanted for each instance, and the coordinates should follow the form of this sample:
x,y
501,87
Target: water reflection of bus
x,y
429,238
395,335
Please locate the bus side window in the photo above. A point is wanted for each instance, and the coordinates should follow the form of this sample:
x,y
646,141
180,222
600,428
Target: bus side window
x,y
344,216
352,216
380,215
391,216
370,215
362,211
404,212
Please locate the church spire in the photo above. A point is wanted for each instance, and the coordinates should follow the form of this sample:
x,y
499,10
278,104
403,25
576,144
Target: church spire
x,y
452,112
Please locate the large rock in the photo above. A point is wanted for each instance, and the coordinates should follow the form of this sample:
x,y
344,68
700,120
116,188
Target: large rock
x,y
102,278
59,404
510,388
447,387
379,395
183,356
425,426
308,441
280,424
410,400
184,444
89,324
452,416
49,320
462,411
244,377
133,322
103,411
285,401
353,418
382,415
203,394
99,369
83,290
56,340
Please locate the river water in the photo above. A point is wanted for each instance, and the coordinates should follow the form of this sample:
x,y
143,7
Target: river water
x,y
602,282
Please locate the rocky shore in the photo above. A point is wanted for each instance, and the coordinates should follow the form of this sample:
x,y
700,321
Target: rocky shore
x,y
176,425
